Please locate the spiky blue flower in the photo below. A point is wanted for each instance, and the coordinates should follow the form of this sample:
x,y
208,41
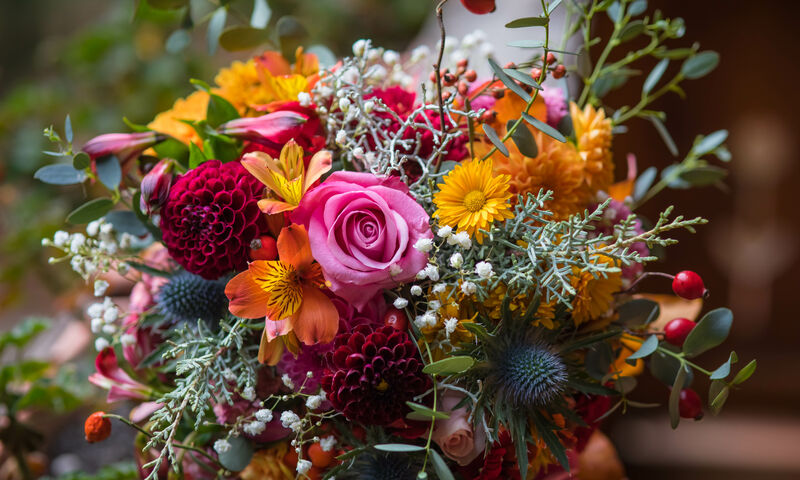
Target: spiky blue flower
x,y
528,374
188,297
374,465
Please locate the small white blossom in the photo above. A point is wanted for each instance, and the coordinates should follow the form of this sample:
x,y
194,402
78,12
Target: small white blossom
x,y
60,238
424,245
456,260
369,106
289,417
445,231
344,104
432,272
463,240
222,446
416,290
101,344
128,339
109,329
359,47
228,375
450,326
484,270
106,228
390,57
264,415
287,380
304,98
249,393
439,288
93,228
97,325
122,268
254,428
314,401
420,53
76,242
303,466
125,240
327,443
341,137
100,287
468,288
434,305
95,310
395,269
111,314
358,152
400,303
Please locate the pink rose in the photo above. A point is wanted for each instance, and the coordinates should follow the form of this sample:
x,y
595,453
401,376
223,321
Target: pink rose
x,y
362,230
455,435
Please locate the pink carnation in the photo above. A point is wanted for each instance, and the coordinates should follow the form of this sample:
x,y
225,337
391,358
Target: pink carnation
x,y
362,230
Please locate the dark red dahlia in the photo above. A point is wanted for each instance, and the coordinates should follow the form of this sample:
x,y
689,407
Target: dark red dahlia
x,y
372,373
210,218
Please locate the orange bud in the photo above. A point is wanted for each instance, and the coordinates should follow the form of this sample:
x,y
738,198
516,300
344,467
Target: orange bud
x,y
97,427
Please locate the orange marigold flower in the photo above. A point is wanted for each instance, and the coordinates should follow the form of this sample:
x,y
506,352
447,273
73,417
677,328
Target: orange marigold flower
x,y
191,108
593,134
97,427
288,292
270,464
594,294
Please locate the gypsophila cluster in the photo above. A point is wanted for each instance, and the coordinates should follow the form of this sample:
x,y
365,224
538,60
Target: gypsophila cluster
x,y
91,253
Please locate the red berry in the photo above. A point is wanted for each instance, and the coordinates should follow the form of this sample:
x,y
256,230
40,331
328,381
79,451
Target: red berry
x,y
536,73
677,329
471,75
550,59
396,319
688,285
690,405
97,427
479,6
559,71
264,248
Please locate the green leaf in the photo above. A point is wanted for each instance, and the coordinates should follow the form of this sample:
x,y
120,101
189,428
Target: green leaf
x,y
719,400
704,175
522,77
215,26
172,148
421,412
440,466
710,331
261,14
238,457
665,368
109,172
68,129
746,372
714,388
625,385
476,329
291,34
648,347
523,139
242,38
598,359
449,366
81,161
638,312
676,54
655,75
24,332
60,174
528,22
552,441
398,447
614,12
589,340
324,55
178,41
508,82
552,6
700,65
710,142
644,182
725,369
196,156
220,111
631,30
589,388
664,134
526,44
544,128
91,210
637,8
135,126
494,138
125,221
674,397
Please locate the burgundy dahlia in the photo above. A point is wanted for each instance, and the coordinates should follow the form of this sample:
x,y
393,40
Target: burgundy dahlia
x,y
210,218
372,373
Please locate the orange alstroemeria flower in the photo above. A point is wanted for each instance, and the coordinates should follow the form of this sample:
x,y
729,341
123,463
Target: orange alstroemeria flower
x,y
288,292
287,178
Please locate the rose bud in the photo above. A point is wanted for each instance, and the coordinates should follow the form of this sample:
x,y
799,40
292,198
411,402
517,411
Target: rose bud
x,y
155,186
97,427
277,127
125,146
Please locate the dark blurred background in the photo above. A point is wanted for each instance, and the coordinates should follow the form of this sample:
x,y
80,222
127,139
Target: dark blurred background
x,y
101,60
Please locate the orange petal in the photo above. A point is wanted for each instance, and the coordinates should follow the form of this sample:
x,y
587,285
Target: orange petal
x,y
294,247
279,280
271,207
270,352
247,299
319,164
274,329
317,321
258,164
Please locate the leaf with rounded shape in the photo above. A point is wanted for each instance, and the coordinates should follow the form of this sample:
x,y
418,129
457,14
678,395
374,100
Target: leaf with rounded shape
x,y
745,373
703,176
526,44
215,26
398,447
109,171
81,161
700,65
494,138
68,129
637,8
655,75
648,347
522,77
665,368
710,142
664,134
291,34
638,312
625,385
60,174
238,457
423,413
544,128
178,41
528,22
91,210
508,82
643,184
261,14
324,55
710,331
449,366
524,140
242,38
675,396
631,31
125,221
725,369
718,402
440,466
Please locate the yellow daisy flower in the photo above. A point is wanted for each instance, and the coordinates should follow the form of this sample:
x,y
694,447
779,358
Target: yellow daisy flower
x,y
594,295
471,198
593,134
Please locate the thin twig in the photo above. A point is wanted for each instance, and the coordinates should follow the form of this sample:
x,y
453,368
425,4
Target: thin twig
x,y
438,73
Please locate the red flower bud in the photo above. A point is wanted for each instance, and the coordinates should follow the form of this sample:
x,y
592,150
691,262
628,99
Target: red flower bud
x,y
688,285
676,330
396,319
124,146
690,405
277,127
479,7
97,427
155,186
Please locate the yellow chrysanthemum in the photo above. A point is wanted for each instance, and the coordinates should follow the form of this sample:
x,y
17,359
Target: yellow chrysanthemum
x,y
544,316
191,108
250,84
593,134
557,167
472,197
268,464
594,295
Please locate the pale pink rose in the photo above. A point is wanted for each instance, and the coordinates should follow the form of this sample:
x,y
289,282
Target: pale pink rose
x,y
362,229
455,435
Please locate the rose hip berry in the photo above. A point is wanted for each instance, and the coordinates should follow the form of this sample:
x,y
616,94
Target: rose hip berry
x,y
396,319
676,330
97,427
690,405
688,285
479,6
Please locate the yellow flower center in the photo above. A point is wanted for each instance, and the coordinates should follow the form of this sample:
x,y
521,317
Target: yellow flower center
x,y
474,201
282,282
382,386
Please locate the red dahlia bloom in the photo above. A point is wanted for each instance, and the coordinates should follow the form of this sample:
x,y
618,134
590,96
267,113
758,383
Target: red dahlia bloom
x,y
372,373
210,218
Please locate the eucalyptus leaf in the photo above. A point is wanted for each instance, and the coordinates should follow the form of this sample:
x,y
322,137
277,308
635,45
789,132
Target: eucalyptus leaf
x,y
700,65
91,210
398,447
655,75
648,347
215,26
725,369
719,401
637,7
631,30
81,161
109,171
710,331
449,366
491,133
524,140
528,22
261,14
674,397
522,77
68,129
665,368
664,134
638,312
125,221
242,38
178,41
745,373
703,175
508,82
710,142
238,457
60,174
440,466
421,412
544,128
644,182
526,44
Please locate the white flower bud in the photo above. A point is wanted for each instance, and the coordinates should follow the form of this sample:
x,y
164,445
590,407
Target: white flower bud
x,y
60,238
341,137
469,288
416,290
439,288
101,344
344,104
128,339
303,466
109,329
222,446
390,57
327,443
96,325
445,231
456,260
287,380
484,270
76,242
369,106
400,303
359,47
249,393
304,99
264,415
424,245
100,287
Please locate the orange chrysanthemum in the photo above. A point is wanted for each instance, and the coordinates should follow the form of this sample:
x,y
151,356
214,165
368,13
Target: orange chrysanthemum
x,y
270,464
594,294
472,198
593,134
191,108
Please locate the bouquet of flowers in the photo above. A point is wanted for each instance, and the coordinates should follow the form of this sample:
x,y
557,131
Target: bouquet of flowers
x,y
363,270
